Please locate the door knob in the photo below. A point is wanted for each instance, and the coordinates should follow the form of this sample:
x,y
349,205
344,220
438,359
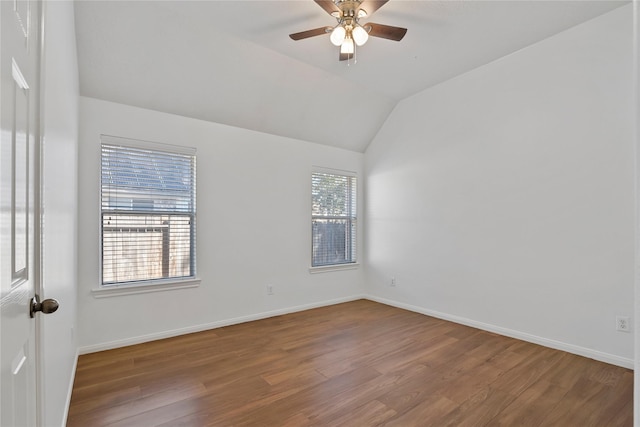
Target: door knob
x,y
47,306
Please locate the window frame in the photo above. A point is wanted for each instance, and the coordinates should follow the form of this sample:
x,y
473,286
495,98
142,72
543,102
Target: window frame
x,y
352,218
106,289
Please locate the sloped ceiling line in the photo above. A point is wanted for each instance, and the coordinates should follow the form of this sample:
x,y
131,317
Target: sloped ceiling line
x,y
232,62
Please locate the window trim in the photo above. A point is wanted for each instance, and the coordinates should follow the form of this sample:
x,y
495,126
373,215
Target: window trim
x,y
351,265
151,285
140,287
334,267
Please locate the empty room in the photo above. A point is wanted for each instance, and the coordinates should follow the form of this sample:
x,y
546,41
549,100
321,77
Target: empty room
x,y
319,213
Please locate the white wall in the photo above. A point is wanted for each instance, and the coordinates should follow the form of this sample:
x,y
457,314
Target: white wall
x,y
254,210
504,198
59,156
636,72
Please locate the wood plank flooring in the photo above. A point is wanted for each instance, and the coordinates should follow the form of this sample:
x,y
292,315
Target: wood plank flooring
x,y
355,364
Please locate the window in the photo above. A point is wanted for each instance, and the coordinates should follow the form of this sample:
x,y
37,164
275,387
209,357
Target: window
x,y
148,199
333,218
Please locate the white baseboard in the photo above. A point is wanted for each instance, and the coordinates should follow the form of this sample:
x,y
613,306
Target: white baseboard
x,y
218,324
65,415
558,345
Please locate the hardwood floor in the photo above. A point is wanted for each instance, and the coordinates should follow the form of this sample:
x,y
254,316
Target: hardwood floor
x,y
354,364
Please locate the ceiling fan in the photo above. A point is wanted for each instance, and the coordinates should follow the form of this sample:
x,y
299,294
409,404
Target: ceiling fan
x,y
349,33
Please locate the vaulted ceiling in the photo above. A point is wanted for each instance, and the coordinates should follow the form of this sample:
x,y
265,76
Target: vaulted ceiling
x,y
232,62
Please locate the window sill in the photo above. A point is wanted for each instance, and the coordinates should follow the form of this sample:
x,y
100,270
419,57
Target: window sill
x,y
119,290
335,267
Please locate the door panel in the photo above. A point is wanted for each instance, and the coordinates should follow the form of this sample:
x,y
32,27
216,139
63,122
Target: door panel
x,y
19,133
19,179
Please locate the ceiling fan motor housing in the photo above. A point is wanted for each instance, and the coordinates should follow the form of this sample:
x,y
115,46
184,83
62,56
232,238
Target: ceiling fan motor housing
x,y
349,10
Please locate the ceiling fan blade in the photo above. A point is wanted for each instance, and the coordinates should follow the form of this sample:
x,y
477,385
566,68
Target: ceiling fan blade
x,y
310,33
345,56
371,6
385,31
328,5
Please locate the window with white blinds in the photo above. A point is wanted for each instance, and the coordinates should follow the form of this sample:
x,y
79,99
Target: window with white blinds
x,y
148,199
333,219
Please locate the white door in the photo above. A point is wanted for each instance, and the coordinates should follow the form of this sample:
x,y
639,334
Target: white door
x,y
19,116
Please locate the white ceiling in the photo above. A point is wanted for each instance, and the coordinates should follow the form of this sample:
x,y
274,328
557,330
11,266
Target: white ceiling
x,y
232,62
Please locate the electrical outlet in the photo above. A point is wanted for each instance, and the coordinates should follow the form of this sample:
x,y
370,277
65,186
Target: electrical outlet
x,y
269,289
622,324
393,282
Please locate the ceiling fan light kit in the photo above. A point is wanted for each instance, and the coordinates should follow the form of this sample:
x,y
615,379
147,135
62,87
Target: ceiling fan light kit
x,y
337,35
360,35
347,46
349,33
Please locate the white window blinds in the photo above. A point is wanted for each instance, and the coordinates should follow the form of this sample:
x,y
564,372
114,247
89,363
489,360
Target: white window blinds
x,y
333,219
148,199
